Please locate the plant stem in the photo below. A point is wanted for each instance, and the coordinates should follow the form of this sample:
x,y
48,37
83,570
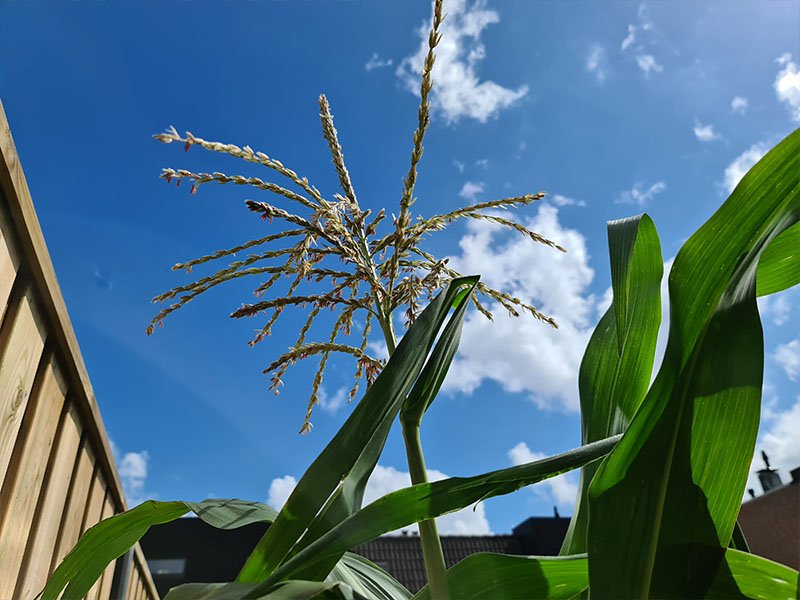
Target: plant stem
x,y
435,568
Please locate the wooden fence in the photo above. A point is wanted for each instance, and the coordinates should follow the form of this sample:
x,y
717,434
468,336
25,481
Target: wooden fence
x,y
57,473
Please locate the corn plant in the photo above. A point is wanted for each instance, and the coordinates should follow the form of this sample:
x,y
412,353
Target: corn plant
x,y
663,465
340,252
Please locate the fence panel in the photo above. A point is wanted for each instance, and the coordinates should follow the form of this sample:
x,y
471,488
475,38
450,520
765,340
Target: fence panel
x,y
57,473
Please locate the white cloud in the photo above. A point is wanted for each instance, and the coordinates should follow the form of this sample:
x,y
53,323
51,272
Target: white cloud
x,y
332,403
522,354
385,480
562,489
788,356
378,349
787,85
376,62
777,308
471,189
132,470
459,165
630,38
648,64
483,163
280,489
639,194
742,164
739,105
597,63
778,439
458,91
704,133
560,200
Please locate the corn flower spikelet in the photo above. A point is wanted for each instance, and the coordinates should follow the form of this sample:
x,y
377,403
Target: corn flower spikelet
x,y
336,250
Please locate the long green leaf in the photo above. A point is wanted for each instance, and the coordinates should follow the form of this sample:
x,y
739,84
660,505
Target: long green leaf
x,y
113,537
744,575
289,590
370,421
618,361
427,501
347,499
779,266
672,488
504,577
367,578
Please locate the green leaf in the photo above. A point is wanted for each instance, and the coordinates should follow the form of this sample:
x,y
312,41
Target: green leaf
x,y
618,362
348,498
428,501
504,577
289,590
367,578
744,575
113,537
738,541
352,453
779,267
672,487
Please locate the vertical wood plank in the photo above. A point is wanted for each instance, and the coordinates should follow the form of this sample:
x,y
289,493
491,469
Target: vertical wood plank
x,y
133,582
19,497
21,343
9,264
94,507
72,518
104,590
42,540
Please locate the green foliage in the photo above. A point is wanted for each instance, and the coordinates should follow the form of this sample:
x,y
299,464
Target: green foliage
x,y
655,518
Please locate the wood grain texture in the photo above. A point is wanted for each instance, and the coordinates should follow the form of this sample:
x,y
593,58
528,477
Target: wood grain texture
x,y
144,573
16,203
44,533
9,263
76,505
102,589
19,496
94,511
21,343
23,253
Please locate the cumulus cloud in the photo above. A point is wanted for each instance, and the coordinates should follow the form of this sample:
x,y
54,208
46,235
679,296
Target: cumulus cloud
x,y
376,62
788,357
742,164
385,480
280,489
778,438
639,40
459,165
458,91
471,189
560,200
521,354
787,85
629,39
648,64
640,194
331,403
704,133
562,490
739,105
597,63
132,470
776,308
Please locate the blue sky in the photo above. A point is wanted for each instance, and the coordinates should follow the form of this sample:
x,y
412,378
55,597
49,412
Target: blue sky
x,y
612,108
